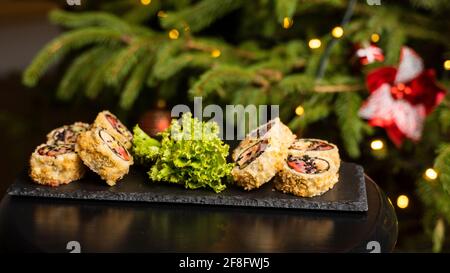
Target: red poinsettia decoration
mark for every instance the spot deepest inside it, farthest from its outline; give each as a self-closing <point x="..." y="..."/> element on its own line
<point x="400" y="98"/>
<point x="369" y="54"/>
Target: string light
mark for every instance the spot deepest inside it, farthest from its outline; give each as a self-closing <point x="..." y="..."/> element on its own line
<point x="161" y="103"/>
<point x="299" y="111"/>
<point x="337" y="32"/>
<point x="215" y="53"/>
<point x="146" y="2"/>
<point x="314" y="43"/>
<point x="430" y="174"/>
<point x="402" y="201"/>
<point x="377" y="144"/>
<point x="161" y="14"/>
<point x="375" y="37"/>
<point x="173" y="34"/>
<point x="287" y="22"/>
<point x="447" y="65"/>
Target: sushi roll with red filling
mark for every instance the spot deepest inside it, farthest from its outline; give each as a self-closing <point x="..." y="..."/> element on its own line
<point x="103" y="154"/>
<point x="54" y="165"/>
<point x="260" y="155"/>
<point x="67" y="134"/>
<point x="114" y="127"/>
<point x="316" y="147"/>
<point x="306" y="176"/>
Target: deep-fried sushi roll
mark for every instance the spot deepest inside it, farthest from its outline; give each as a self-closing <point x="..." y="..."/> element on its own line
<point x="114" y="127"/>
<point x="316" y="147"/>
<point x="306" y="176"/>
<point x="67" y="134"/>
<point x="54" y="165"/>
<point x="260" y="155"/>
<point x="103" y="154"/>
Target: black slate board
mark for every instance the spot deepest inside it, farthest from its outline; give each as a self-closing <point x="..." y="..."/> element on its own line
<point x="349" y="194"/>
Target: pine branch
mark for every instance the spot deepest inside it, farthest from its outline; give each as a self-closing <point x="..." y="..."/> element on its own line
<point x="219" y="78"/>
<point x="79" y="72"/>
<point x="442" y="165"/>
<point x="187" y="60"/>
<point x="134" y="84"/>
<point x="285" y="8"/>
<point x="60" y="46"/>
<point x="351" y="126"/>
<point x="140" y="14"/>
<point x="87" y="19"/>
<point x="200" y="15"/>
<point x="126" y="59"/>
<point x="97" y="80"/>
<point x="297" y="83"/>
<point x="317" y="107"/>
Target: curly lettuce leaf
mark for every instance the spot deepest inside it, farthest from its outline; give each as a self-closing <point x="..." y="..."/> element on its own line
<point x="192" y="154"/>
<point x="145" y="149"/>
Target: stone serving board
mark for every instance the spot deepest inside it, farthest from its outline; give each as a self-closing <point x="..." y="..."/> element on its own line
<point x="349" y="194"/>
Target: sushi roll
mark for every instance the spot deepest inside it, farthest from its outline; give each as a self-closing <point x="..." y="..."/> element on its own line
<point x="103" y="154"/>
<point x="114" y="127"/>
<point x="306" y="176"/>
<point x="260" y="155"/>
<point x="54" y="165"/>
<point x="316" y="147"/>
<point x="66" y="134"/>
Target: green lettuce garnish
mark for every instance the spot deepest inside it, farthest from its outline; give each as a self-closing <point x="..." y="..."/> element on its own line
<point x="190" y="153"/>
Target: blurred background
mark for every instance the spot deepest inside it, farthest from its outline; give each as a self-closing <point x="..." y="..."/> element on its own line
<point x="138" y="58"/>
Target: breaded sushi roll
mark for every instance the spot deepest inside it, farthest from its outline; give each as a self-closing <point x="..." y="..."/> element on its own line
<point x="103" y="154"/>
<point x="316" y="147"/>
<point x="306" y="176"/>
<point x="67" y="134"/>
<point x="260" y="155"/>
<point x="114" y="127"/>
<point x="54" y="165"/>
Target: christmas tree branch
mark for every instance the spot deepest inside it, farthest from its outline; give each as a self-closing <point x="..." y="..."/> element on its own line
<point x="79" y="71"/>
<point x="134" y="84"/>
<point x="56" y="49"/>
<point x="200" y="15"/>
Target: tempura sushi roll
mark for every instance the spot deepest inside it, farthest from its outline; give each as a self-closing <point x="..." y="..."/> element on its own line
<point x="67" y="134"/>
<point x="54" y="165"/>
<point x="114" y="127"/>
<point x="260" y="155"/>
<point x="316" y="147"/>
<point x="307" y="176"/>
<point x="103" y="154"/>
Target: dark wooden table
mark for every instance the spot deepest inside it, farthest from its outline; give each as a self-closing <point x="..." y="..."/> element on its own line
<point x="47" y="225"/>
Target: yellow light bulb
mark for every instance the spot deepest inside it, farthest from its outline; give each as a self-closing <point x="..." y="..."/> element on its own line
<point x="299" y="111"/>
<point x="314" y="43"/>
<point x="431" y="174"/>
<point x="402" y="201"/>
<point x="146" y="2"/>
<point x="215" y="53"/>
<point x="375" y="37"/>
<point x="161" y="14"/>
<point x="337" y="32"/>
<point x="173" y="34"/>
<point x="377" y="144"/>
<point x="287" y="22"/>
<point x="161" y="103"/>
<point x="447" y="65"/>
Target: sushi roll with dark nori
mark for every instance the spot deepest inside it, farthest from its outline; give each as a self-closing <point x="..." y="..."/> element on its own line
<point x="54" y="165"/>
<point x="114" y="127"/>
<point x="103" y="154"/>
<point x="260" y="155"/>
<point x="306" y="176"/>
<point x="67" y="134"/>
<point x="316" y="147"/>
